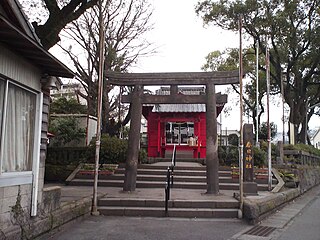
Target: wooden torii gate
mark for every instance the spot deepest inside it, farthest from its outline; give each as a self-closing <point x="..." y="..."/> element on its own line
<point x="137" y="98"/>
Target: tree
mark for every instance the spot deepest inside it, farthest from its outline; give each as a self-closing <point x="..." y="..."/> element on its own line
<point x="58" y="13"/>
<point x="125" y="22"/>
<point x="67" y="106"/>
<point x="228" y="60"/>
<point x="233" y="139"/>
<point x="291" y="29"/>
<point x="263" y="131"/>
<point x="66" y="129"/>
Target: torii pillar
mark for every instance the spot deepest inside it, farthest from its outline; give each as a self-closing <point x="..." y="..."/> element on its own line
<point x="212" y="161"/>
<point x="130" y="176"/>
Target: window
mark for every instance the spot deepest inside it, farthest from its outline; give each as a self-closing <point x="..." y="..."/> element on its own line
<point x="18" y="120"/>
<point x="179" y="132"/>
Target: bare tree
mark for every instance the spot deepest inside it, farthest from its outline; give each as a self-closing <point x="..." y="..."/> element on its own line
<point x="126" y="22"/>
<point x="58" y="14"/>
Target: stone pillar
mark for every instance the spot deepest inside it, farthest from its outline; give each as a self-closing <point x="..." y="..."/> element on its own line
<point x="134" y="140"/>
<point x="280" y="154"/>
<point x="249" y="186"/>
<point x="212" y="161"/>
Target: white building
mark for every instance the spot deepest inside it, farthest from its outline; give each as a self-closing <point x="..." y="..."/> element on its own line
<point x="315" y="139"/>
<point x="68" y="91"/>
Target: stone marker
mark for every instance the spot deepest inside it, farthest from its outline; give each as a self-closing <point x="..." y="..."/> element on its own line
<point x="249" y="186"/>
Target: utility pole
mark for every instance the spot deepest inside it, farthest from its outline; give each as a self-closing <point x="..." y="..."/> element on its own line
<point x="241" y="120"/>
<point x="257" y="93"/>
<point x="94" y="210"/>
<point x="268" y="117"/>
<point x="283" y="101"/>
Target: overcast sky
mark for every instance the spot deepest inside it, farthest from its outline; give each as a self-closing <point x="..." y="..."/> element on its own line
<point x="181" y="39"/>
<point x="183" y="45"/>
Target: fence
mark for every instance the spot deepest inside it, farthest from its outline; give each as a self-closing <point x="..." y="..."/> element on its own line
<point x="301" y="157"/>
<point x="65" y="155"/>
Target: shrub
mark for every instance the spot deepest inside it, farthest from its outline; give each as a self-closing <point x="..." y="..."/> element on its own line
<point x="143" y="156"/>
<point x="112" y="150"/>
<point x="233" y="156"/>
<point x="260" y="157"/>
<point x="303" y="147"/>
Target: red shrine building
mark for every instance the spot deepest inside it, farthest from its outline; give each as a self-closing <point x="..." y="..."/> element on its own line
<point x="183" y="125"/>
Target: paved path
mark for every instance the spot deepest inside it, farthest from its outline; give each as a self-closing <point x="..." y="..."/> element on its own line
<point x="299" y="220"/>
<point x="306" y="225"/>
<point x="118" y="228"/>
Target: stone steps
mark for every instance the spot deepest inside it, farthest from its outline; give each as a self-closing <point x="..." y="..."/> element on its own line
<point x="176" y="208"/>
<point x="177" y="172"/>
<point x="162" y="178"/>
<point x="154" y="184"/>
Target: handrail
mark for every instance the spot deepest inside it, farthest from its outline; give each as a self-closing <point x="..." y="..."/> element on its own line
<point x="173" y="160"/>
<point x="169" y="181"/>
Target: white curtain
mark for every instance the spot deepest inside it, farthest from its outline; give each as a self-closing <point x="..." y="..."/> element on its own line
<point x="19" y="131"/>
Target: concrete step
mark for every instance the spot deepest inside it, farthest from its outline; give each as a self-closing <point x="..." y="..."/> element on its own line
<point x="176" y="172"/>
<point x="152" y="178"/>
<point x="172" y="212"/>
<point x="158" y="178"/>
<point x="165" y="167"/>
<point x="137" y="202"/>
<point x="142" y="184"/>
<point x="179" y="166"/>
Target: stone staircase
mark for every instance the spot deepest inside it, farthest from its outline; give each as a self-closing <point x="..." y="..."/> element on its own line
<point x="176" y="208"/>
<point x="154" y="176"/>
<point x="187" y="195"/>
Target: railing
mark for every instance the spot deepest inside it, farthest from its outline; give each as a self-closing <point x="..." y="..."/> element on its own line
<point x="301" y="157"/>
<point x="66" y="155"/>
<point x="169" y="181"/>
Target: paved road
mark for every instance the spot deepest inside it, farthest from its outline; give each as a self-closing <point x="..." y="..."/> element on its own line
<point x="118" y="228"/>
<point x="299" y="220"/>
<point x="305" y="226"/>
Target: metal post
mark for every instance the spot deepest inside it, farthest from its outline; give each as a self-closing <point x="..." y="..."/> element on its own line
<point x="306" y="127"/>
<point x="283" y="101"/>
<point x="94" y="210"/>
<point x="241" y="121"/>
<point x="220" y="129"/>
<point x="268" y="117"/>
<point x="257" y="94"/>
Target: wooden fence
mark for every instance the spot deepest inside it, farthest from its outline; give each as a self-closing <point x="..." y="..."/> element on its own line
<point x="66" y="155"/>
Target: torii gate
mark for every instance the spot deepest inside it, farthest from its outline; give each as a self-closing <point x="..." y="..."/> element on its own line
<point x="137" y="98"/>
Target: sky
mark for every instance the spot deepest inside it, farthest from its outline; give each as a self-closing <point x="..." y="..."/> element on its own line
<point x="183" y="43"/>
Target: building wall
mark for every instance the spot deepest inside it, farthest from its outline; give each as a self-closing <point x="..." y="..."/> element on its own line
<point x="10" y="198"/>
<point x="18" y="69"/>
<point x="15" y="200"/>
<point x="316" y="140"/>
